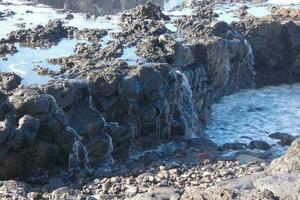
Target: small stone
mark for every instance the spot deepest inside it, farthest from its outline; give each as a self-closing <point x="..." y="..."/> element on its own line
<point x="206" y="174"/>
<point x="131" y="191"/>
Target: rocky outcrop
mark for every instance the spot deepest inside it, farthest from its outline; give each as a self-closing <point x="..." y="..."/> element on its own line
<point x="7" y="49"/>
<point x="34" y="133"/>
<point x="275" y="47"/>
<point x="97" y="7"/>
<point x="9" y="81"/>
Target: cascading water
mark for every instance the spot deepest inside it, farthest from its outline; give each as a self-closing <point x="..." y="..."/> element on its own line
<point x="74" y="157"/>
<point x="78" y="147"/>
<point x="187" y="107"/>
<point x="250" y="60"/>
<point x="109" y="158"/>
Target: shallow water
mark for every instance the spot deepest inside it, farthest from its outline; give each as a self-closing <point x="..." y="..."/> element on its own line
<point x="22" y="62"/>
<point x="256" y="114"/>
<point x="42" y="14"/>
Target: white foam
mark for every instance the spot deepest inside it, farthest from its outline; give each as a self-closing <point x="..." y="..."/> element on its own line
<point x="256" y="114"/>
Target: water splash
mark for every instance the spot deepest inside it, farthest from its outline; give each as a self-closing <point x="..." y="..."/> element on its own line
<point x="78" y="147"/>
<point x="188" y="108"/>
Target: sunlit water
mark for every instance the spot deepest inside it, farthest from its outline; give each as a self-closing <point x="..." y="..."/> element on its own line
<point x="23" y="62"/>
<point x="255" y="114"/>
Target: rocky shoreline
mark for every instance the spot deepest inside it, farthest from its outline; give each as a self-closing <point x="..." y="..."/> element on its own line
<point x="90" y="132"/>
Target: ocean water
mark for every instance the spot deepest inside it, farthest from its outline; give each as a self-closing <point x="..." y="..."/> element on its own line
<point x="255" y="114"/>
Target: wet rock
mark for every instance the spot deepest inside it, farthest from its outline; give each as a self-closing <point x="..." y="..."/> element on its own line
<point x="234" y="146"/>
<point x="69" y="16"/>
<point x="34" y="134"/>
<point x="148" y="11"/>
<point x="91" y="34"/>
<point x="285" y="139"/>
<point x="203" y="144"/>
<point x="75" y="99"/>
<point x="42" y="35"/>
<point x="257" y="144"/>
<point x="7" y="49"/>
<point x="6" y="13"/>
<point x="9" y="81"/>
<point x="279" y="63"/>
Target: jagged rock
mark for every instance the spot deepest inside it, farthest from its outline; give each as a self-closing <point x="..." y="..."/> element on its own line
<point x="9" y="81"/>
<point x="148" y="11"/>
<point x="42" y="35"/>
<point x="7" y="49"/>
<point x="34" y="134"/>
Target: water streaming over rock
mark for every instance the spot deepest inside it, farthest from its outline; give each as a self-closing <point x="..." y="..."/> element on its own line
<point x="188" y="108"/>
<point x="109" y="158"/>
<point x="78" y="148"/>
<point x="250" y="60"/>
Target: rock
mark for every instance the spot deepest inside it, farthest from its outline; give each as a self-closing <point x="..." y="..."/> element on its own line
<point x="131" y="191"/>
<point x="148" y="11"/>
<point x="289" y="162"/>
<point x="247" y="159"/>
<point x="14" y="190"/>
<point x="35" y="137"/>
<point x="69" y="16"/>
<point x="285" y="186"/>
<point x="285" y="139"/>
<point x="9" y="81"/>
<point x="43" y="35"/>
<point x="257" y="144"/>
<point x="234" y="146"/>
<point x="7" y="49"/>
<point x="203" y="144"/>
<point x="159" y="193"/>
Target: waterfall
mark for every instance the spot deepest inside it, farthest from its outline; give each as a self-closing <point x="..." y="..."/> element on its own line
<point x="109" y="158"/>
<point x="74" y="157"/>
<point x="78" y="147"/>
<point x="250" y="60"/>
<point x="188" y="108"/>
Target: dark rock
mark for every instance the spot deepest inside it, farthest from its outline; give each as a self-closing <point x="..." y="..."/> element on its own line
<point x="69" y="16"/>
<point x="7" y="49"/>
<point x="285" y="139"/>
<point x="9" y="81"/>
<point x="257" y="144"/>
<point x="234" y="146"/>
<point x="203" y="144"/>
